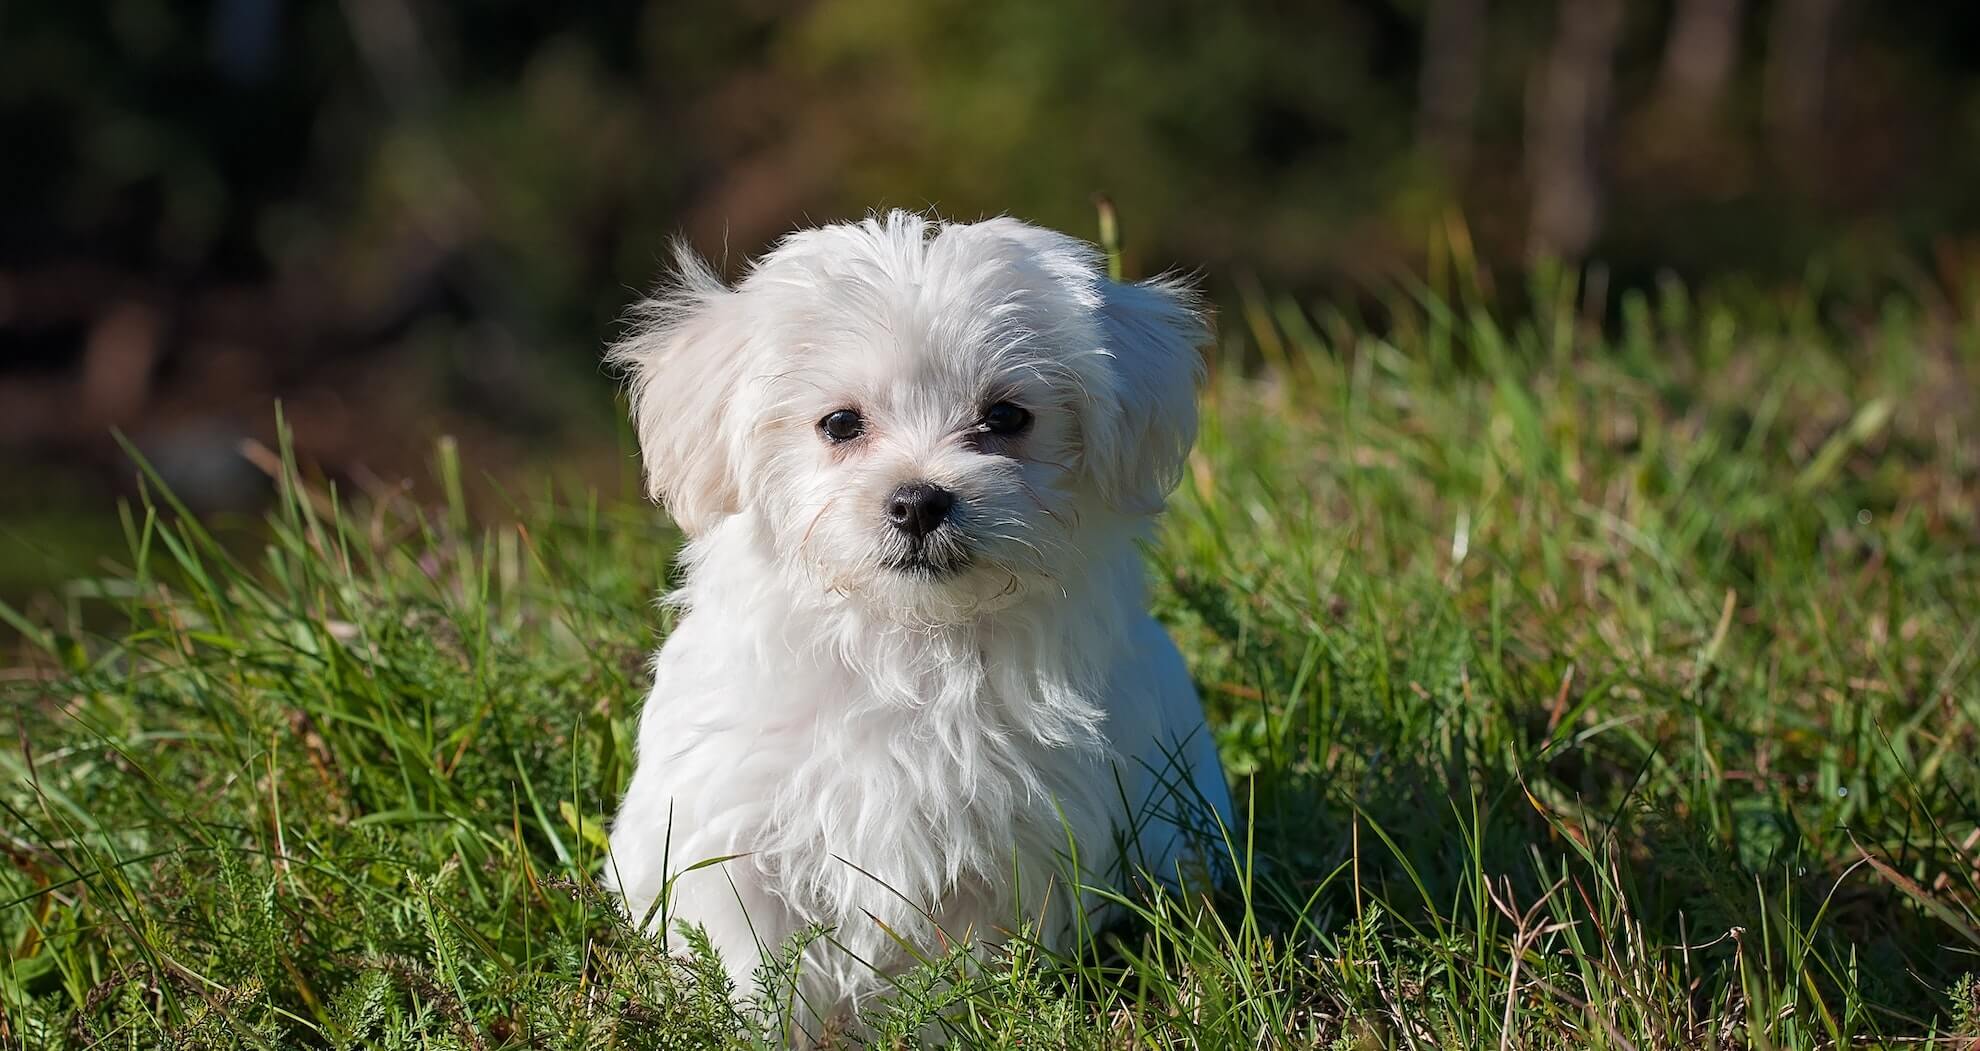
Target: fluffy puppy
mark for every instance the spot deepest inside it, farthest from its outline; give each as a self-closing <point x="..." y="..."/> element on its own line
<point x="914" y="692"/>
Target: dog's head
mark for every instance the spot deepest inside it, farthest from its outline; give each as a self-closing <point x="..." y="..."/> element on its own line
<point x="922" y="413"/>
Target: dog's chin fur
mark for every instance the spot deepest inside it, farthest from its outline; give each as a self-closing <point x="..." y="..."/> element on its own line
<point x="891" y="738"/>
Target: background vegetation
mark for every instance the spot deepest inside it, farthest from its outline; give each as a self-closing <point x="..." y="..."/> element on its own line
<point x="407" y="218"/>
<point x="1578" y="561"/>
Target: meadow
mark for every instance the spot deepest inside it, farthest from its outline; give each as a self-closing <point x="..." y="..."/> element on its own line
<point x="1591" y="673"/>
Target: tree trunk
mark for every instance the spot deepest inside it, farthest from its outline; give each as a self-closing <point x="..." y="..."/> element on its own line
<point x="1699" y="56"/>
<point x="1447" y="91"/>
<point x="1567" y="108"/>
<point x="1797" y="83"/>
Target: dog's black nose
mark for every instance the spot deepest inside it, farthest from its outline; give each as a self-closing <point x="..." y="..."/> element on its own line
<point x="918" y="507"/>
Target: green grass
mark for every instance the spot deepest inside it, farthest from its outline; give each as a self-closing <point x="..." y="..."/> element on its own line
<point x="1586" y="691"/>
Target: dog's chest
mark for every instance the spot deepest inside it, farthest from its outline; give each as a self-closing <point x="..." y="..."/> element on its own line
<point x="931" y="795"/>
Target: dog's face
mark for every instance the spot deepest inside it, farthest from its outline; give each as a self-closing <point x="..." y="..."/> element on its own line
<point x="922" y="416"/>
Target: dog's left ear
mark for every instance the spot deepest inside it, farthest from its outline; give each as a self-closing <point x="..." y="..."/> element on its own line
<point x="1139" y="428"/>
<point x="1135" y="350"/>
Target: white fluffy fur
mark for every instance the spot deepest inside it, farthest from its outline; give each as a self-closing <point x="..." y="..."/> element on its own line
<point x="877" y="746"/>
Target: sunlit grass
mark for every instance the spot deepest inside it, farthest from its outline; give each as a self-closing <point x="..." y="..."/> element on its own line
<point x="1584" y="690"/>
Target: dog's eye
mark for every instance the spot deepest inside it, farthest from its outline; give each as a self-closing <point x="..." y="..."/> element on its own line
<point x="843" y="425"/>
<point x="1006" y="418"/>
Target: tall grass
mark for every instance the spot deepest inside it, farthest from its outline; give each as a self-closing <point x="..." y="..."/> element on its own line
<point x="1584" y="685"/>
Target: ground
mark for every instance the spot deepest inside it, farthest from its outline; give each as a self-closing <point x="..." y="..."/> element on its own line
<point x="1581" y="689"/>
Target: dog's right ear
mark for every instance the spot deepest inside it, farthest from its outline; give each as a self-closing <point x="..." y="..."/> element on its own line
<point x="685" y="357"/>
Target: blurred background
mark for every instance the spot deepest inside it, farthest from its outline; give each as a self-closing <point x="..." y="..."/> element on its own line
<point x="407" y="218"/>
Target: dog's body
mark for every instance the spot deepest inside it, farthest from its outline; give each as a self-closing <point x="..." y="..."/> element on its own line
<point x="915" y="692"/>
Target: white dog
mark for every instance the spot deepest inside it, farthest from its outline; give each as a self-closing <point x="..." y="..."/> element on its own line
<point x="915" y="692"/>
